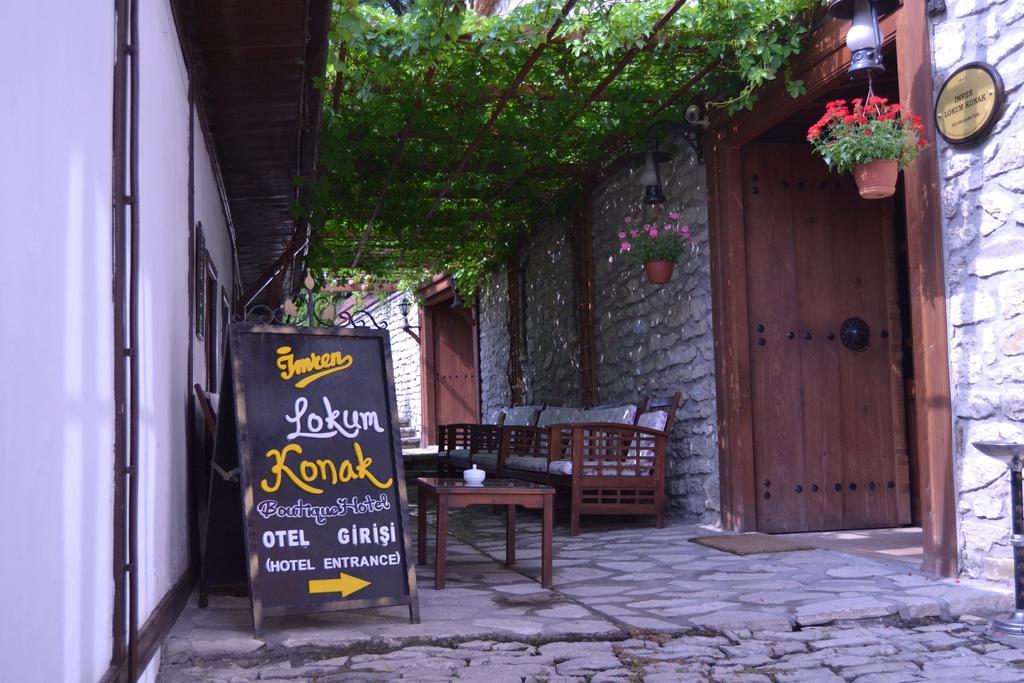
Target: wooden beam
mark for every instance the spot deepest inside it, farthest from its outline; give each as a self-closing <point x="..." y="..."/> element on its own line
<point x="927" y="282"/>
<point x="583" y="267"/>
<point x="730" y="324"/>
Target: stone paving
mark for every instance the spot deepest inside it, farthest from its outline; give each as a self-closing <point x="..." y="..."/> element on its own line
<point x="629" y="603"/>
<point x="655" y="579"/>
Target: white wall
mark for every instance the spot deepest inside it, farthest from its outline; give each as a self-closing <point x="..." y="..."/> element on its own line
<point x="56" y="340"/>
<point x="209" y="211"/>
<point x="164" y="303"/>
<point x="57" y="412"/>
<point x="405" y="353"/>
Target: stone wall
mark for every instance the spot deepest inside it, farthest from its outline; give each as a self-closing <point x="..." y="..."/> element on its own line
<point x="405" y="354"/>
<point x="983" y="209"/>
<point x="656" y="340"/>
<point x="550" y="353"/>
<point x="651" y="341"/>
<point x="495" y="392"/>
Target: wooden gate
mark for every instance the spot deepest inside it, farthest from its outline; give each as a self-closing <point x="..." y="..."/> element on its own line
<point x="825" y="347"/>
<point x="455" y="390"/>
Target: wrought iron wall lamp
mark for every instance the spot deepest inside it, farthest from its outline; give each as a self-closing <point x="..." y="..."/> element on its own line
<point x="403" y="306"/>
<point x="689" y="130"/>
<point x="864" y="37"/>
<point x="457" y="302"/>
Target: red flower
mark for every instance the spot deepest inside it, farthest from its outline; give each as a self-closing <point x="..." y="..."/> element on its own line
<point x="923" y="142"/>
<point x="813" y="132"/>
<point x="862" y="119"/>
<point x="868" y="131"/>
<point x="849" y="119"/>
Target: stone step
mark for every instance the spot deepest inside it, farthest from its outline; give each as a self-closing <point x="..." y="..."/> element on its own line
<point x="407" y="431"/>
<point x="410" y="441"/>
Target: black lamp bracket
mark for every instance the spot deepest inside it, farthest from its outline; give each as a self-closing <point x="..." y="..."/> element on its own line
<point x="691" y="134"/>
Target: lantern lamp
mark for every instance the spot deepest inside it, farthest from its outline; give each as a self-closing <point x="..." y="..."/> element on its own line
<point x="865" y="36"/>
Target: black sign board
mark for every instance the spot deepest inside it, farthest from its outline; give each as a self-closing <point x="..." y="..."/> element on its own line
<point x="308" y="426"/>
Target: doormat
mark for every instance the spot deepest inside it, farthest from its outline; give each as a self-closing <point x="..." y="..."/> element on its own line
<point x="750" y="543"/>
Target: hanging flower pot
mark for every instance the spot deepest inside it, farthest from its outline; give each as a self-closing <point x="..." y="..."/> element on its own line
<point x="873" y="139"/>
<point x="656" y="245"/>
<point x="659" y="271"/>
<point x="877" y="179"/>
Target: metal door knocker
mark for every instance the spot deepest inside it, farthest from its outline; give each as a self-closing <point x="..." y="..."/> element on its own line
<point x="855" y="334"/>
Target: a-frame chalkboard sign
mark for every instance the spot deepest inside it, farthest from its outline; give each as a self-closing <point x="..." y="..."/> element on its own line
<point x="307" y="495"/>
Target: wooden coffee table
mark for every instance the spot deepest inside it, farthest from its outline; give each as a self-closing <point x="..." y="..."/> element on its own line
<point x="449" y="494"/>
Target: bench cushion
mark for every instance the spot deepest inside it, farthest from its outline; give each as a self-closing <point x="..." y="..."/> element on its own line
<point x="656" y="419"/>
<point x="459" y="455"/>
<point x="486" y="460"/>
<point x="526" y="463"/>
<point x="520" y="416"/>
<point x="553" y="415"/>
<point x="624" y="414"/>
<point x="590" y="467"/>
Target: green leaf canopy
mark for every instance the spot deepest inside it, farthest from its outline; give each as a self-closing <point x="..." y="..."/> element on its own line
<point x="412" y="98"/>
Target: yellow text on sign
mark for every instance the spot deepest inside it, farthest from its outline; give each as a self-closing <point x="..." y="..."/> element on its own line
<point x="318" y="471"/>
<point x="320" y="364"/>
<point x="344" y="584"/>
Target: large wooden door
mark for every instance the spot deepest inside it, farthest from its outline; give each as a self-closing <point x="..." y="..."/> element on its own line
<point x="829" y="437"/>
<point x="454" y="366"/>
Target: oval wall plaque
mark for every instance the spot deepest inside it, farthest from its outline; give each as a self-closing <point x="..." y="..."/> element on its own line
<point x="969" y="103"/>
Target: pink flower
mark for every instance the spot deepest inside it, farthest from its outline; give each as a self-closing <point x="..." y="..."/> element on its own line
<point x="628" y="219"/>
<point x="633" y="233"/>
<point x="654" y="232"/>
<point x="647" y="227"/>
<point x="686" y="231"/>
<point x="625" y="246"/>
<point x="622" y="235"/>
<point x="674" y="215"/>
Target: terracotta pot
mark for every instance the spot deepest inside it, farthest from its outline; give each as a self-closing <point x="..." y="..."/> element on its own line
<point x="877" y="179"/>
<point x="659" y="272"/>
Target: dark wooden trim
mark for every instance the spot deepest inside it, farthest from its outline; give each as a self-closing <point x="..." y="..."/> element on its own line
<point x="474" y="317"/>
<point x="927" y="283"/>
<point x="156" y="627"/>
<point x="428" y="421"/>
<point x="822" y="67"/>
<point x="192" y="465"/>
<point x="583" y="272"/>
<point x="732" y="353"/>
<point x="437" y="290"/>
<point x="515" y="340"/>
<point x="119" y="625"/>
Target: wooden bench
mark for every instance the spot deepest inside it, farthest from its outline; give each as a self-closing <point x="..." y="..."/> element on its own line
<point x="609" y="460"/>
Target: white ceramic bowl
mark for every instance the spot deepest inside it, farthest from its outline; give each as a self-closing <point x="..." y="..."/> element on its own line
<point x="474" y="476"/>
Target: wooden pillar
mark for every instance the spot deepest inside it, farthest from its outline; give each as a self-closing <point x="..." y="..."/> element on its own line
<point x="926" y="266"/>
<point x="729" y="321"/>
<point x="583" y="267"/>
<point x="515" y="341"/>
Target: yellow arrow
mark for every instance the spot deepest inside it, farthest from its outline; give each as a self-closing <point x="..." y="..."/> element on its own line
<point x="344" y="584"/>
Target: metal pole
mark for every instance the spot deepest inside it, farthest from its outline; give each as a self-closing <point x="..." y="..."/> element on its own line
<point x="1015" y="622"/>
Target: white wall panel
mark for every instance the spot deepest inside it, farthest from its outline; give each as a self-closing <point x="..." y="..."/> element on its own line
<point x="56" y="340"/>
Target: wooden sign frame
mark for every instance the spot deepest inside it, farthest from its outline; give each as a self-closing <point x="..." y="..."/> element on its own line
<point x="246" y="455"/>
